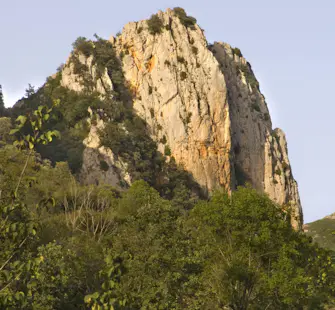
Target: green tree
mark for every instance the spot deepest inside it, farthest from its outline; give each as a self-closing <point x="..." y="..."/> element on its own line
<point x="155" y="24"/>
<point x="2" y="103"/>
<point x="17" y="227"/>
<point x="254" y="258"/>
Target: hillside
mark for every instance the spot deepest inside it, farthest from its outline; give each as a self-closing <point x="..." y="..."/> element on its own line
<point x="145" y="174"/>
<point x="160" y="89"/>
<point x="322" y="231"/>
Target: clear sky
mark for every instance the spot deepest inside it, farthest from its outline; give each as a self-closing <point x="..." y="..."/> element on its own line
<point x="289" y="43"/>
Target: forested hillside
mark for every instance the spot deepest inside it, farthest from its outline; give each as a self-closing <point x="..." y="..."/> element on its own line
<point x="124" y="224"/>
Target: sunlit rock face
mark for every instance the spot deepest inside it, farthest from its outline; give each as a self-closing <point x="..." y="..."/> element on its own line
<point x="203" y="102"/>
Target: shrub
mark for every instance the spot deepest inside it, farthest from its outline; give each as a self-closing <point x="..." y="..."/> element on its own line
<point x="188" y="117"/>
<point x="167" y="151"/>
<point x="150" y="90"/>
<point x="155" y="24"/>
<point x="237" y="52"/>
<point x="194" y="50"/>
<point x="103" y="165"/>
<point x="183" y="75"/>
<point x="285" y="165"/>
<point x="278" y="171"/>
<point x="181" y="59"/>
<point x="152" y="112"/>
<point x="187" y="21"/>
<point x="83" y="46"/>
<point x="256" y="107"/>
<point x="167" y="63"/>
<point x="159" y="127"/>
<point x="163" y="140"/>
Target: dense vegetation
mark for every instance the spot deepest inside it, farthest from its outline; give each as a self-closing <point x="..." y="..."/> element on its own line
<point x="159" y="244"/>
<point x="323" y="231"/>
<point x="66" y="246"/>
<point x="2" y="103"/>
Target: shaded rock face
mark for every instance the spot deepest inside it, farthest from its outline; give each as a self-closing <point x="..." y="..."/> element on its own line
<point x="260" y="153"/>
<point x="100" y="165"/>
<point x="203" y="103"/>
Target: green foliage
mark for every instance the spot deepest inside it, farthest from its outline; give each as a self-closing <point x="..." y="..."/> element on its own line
<point x="30" y="91"/>
<point x="266" y="117"/>
<point x="139" y="30"/>
<point x="153" y="245"/>
<point x="167" y="150"/>
<point x="255" y="258"/>
<point x="152" y="112"/>
<point x="195" y="50"/>
<point x="103" y="165"/>
<point x="249" y="75"/>
<point x="256" y="107"/>
<point x="163" y="140"/>
<point x="183" y="75"/>
<point x="155" y="24"/>
<point x="181" y="59"/>
<point x="285" y="165"/>
<point x="278" y="171"/>
<point x="187" y="21"/>
<point x="5" y="127"/>
<point x="83" y="46"/>
<point x="31" y="130"/>
<point x="2" y="103"/>
<point x="323" y="232"/>
<point x="237" y="52"/>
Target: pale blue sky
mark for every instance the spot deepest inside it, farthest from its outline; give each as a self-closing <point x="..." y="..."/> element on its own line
<point x="289" y="43"/>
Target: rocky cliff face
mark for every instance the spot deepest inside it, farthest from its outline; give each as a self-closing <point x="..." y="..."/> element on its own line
<point x="200" y="101"/>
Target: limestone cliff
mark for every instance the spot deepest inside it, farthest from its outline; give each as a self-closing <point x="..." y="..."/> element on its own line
<point x="200" y="101"/>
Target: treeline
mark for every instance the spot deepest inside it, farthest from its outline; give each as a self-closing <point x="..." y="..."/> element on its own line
<point x="67" y="246"/>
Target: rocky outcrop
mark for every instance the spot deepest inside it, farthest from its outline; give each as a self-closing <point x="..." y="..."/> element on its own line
<point x="80" y="70"/>
<point x="100" y="165"/>
<point x="181" y="93"/>
<point x="260" y="153"/>
<point x="202" y="105"/>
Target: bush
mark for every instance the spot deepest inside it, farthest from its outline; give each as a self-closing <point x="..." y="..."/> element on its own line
<point x="163" y="140"/>
<point x="195" y="50"/>
<point x="167" y="63"/>
<point x="103" y="165"/>
<point x="285" y="165"/>
<point x="83" y="46"/>
<point x="167" y="151"/>
<point x="155" y="24"/>
<point x="183" y="75"/>
<point x="187" y="21"/>
<point x="256" y="107"/>
<point x="181" y="59"/>
<point x="237" y="52"/>
<point x="278" y="171"/>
